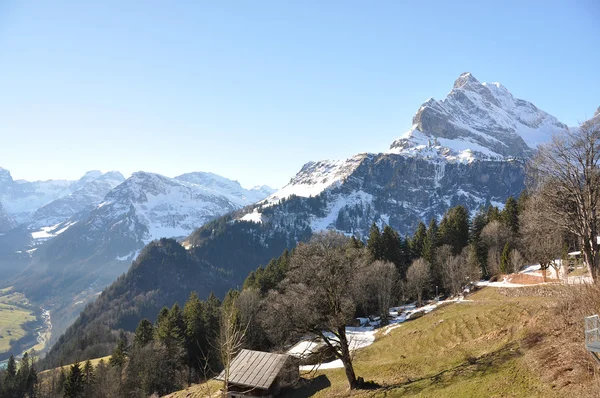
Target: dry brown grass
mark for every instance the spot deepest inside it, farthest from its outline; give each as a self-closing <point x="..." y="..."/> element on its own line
<point x="555" y="337"/>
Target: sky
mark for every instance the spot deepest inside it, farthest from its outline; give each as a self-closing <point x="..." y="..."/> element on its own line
<point x="252" y="90"/>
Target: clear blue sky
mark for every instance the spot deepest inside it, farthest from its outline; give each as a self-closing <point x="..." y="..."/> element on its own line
<point x="252" y="90"/>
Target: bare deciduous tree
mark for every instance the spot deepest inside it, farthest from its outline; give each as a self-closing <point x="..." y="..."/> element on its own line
<point x="566" y="174"/>
<point x="495" y="236"/>
<point x="382" y="277"/>
<point x="457" y="271"/>
<point x="542" y="238"/>
<point x="417" y="279"/>
<point x="231" y="339"/>
<point x="516" y="260"/>
<point x="319" y="295"/>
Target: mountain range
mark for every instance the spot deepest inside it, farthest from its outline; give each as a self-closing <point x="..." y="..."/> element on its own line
<point x="62" y="242"/>
<point x="468" y="149"/>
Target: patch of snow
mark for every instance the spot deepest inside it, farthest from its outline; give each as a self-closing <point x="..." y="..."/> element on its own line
<point x="358" y="337"/>
<point x="334" y="207"/>
<point x="255" y="217"/>
<point x="304" y="348"/>
<point x="391" y="327"/>
<point x="504" y="283"/>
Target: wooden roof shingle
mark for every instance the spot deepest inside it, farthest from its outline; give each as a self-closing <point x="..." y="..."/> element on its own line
<point x="255" y="369"/>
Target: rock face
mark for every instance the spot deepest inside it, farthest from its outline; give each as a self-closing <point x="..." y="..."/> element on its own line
<point x="388" y="189"/>
<point x="6" y="222"/>
<point x="477" y="121"/>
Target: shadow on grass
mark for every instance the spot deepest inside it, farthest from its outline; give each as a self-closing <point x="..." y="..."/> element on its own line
<point x="472" y="367"/>
<point x="309" y="387"/>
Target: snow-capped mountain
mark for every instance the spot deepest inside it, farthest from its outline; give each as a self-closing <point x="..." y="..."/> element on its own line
<point x="224" y="186"/>
<point x="41" y="204"/>
<point x="88" y="191"/>
<point x="477" y="121"/>
<point x="100" y="243"/>
<point x="21" y="198"/>
<point x="468" y="149"/>
<point x="154" y="206"/>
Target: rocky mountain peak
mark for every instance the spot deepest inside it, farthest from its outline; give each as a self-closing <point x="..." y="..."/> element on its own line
<point x="466" y="80"/>
<point x="5" y="176"/>
<point x="597" y="112"/>
<point x="476" y="121"/>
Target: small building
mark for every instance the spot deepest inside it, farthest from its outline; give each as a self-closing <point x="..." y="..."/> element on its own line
<point x="260" y="374"/>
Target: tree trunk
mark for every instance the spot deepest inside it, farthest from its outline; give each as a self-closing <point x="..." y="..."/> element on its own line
<point x="590" y="257"/>
<point x="346" y="358"/>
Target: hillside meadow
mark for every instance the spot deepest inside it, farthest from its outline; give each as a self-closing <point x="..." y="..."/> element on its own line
<point x="517" y="342"/>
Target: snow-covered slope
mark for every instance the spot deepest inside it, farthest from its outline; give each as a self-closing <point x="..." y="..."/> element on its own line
<point x="315" y="177"/>
<point x="477" y="121"/>
<point x="88" y="191"/>
<point x="222" y="186"/>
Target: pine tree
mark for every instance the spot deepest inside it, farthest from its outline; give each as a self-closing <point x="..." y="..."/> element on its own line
<point x="510" y="215"/>
<point x="89" y="378"/>
<point x="10" y="378"/>
<point x="418" y="241"/>
<point x="454" y="229"/>
<point x="196" y="344"/>
<point x="88" y="372"/>
<point x="478" y="246"/>
<point x="431" y="242"/>
<point x="522" y="201"/>
<point x="144" y="333"/>
<point x="119" y="355"/>
<point x="11" y="368"/>
<point x="74" y="385"/>
<point x="212" y="315"/>
<point x="62" y="380"/>
<point x="493" y="214"/>
<point x="22" y="378"/>
<point x="429" y="254"/>
<point x="374" y="243"/>
<point x="505" y="259"/>
<point x="390" y="245"/>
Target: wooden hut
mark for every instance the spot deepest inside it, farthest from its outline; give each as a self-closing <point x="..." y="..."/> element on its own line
<point x="260" y="374"/>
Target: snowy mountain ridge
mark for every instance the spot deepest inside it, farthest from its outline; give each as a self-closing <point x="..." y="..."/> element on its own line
<point x="476" y="121"/>
<point x="155" y="206"/>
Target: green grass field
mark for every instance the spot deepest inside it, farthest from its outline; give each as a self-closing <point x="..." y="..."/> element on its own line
<point x="468" y="349"/>
<point x="14" y="313"/>
<point x="500" y="343"/>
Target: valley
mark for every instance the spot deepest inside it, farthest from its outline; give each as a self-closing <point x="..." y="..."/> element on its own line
<point x="22" y="326"/>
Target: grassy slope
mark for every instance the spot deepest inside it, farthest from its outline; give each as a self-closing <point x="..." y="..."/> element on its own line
<point x="469" y="349"/>
<point x="13" y="315"/>
<point x="504" y="343"/>
<point x="48" y="373"/>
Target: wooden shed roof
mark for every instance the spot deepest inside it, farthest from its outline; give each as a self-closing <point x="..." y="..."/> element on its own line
<point x="255" y="369"/>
